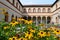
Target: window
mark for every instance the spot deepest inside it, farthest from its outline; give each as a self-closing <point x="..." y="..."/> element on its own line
<point x="12" y="17"/>
<point x="56" y="6"/>
<point x="17" y="4"/>
<point x="34" y="10"/>
<point x="6" y="16"/>
<point x="19" y="7"/>
<point x="13" y="2"/>
<point x="56" y="19"/>
<point x="29" y="10"/>
<point x="44" y="10"/>
<point x="16" y="18"/>
<point x="49" y="10"/>
<point x="39" y="10"/>
<point x="24" y="10"/>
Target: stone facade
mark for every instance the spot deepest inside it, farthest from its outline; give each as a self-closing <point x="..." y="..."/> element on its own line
<point x="38" y="13"/>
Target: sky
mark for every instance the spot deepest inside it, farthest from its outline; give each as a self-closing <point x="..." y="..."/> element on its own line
<point x="32" y="2"/>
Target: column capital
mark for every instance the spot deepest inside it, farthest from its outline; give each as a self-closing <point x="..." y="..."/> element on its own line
<point x="41" y="16"/>
<point x="46" y="16"/>
<point x="31" y="16"/>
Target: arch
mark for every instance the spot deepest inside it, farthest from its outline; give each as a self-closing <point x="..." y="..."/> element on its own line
<point x="16" y="18"/>
<point x="6" y="17"/>
<point x="13" y="2"/>
<point x="24" y="17"/>
<point x="16" y="4"/>
<point x="56" y="6"/>
<point x="29" y="10"/>
<point x="56" y="19"/>
<point x="44" y="10"/>
<point x="12" y="17"/>
<point x="44" y="19"/>
<point x="39" y="19"/>
<point x="39" y="10"/>
<point x="48" y="19"/>
<point x="24" y="10"/>
<point x="34" y="10"/>
<point x="49" y="10"/>
<point x="29" y="18"/>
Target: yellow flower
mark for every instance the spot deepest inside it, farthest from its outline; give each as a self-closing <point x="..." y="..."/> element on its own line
<point x="13" y="18"/>
<point x="32" y="30"/>
<point x="22" y="39"/>
<point x="5" y="27"/>
<point x="16" y="22"/>
<point x="42" y="34"/>
<point x="48" y="34"/>
<point x="41" y="24"/>
<point x="28" y="35"/>
<point x="52" y="28"/>
<point x="13" y="23"/>
<point x="29" y="27"/>
<point x="57" y="32"/>
<point x="10" y="39"/>
<point x="14" y="38"/>
<point x="48" y="29"/>
<point x="20" y="19"/>
<point x="28" y="22"/>
<point x="55" y="36"/>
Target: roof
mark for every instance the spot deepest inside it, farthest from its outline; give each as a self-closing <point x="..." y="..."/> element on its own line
<point x="37" y="5"/>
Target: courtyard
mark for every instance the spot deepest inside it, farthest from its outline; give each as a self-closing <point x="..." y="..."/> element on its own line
<point x="29" y="20"/>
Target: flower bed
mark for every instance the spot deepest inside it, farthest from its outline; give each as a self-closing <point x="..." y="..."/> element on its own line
<point x="26" y="30"/>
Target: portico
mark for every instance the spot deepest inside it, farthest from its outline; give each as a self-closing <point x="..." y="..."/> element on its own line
<point x="39" y="19"/>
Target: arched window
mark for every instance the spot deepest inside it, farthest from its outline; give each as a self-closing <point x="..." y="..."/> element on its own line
<point x="19" y="8"/>
<point x="39" y="10"/>
<point x="13" y="2"/>
<point x="17" y="4"/>
<point x="6" y="16"/>
<point x="24" y="10"/>
<point x="34" y="10"/>
<point x="12" y="17"/>
<point x="56" y="19"/>
<point x="29" y="10"/>
<point x="49" y="10"/>
<point x="44" y="10"/>
<point x="16" y="18"/>
<point x="56" y="6"/>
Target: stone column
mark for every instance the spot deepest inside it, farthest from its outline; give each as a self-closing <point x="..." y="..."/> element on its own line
<point x="31" y="17"/>
<point x="36" y="21"/>
<point x="51" y="20"/>
<point x="59" y="20"/>
<point x="27" y="17"/>
<point x="41" y="19"/>
<point x="46" y="21"/>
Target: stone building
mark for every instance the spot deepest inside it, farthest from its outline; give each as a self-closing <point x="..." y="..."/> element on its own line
<point x="38" y="13"/>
